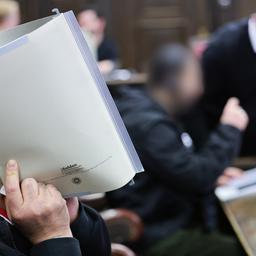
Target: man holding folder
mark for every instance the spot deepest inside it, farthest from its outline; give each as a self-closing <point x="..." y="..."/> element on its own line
<point x="36" y="220"/>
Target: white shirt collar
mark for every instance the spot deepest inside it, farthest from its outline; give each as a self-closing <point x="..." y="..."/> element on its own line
<point x="252" y="31"/>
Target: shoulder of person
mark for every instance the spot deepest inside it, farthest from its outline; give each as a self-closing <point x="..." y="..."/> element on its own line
<point x="228" y="36"/>
<point x="138" y="110"/>
<point x="108" y="43"/>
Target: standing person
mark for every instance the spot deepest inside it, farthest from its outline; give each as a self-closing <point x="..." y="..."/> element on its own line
<point x="174" y="196"/>
<point x="9" y="14"/>
<point x="44" y="224"/>
<point x="229" y="66"/>
<point x="92" y="21"/>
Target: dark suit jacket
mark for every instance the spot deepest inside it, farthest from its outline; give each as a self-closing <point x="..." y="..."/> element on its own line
<point x="90" y="239"/>
<point x="229" y="66"/>
<point x="107" y="50"/>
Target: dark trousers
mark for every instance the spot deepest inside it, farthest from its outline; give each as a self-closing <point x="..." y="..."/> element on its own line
<point x="195" y="242"/>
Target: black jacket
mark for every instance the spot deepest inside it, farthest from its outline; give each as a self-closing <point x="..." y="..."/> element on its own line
<point x="90" y="239"/>
<point x="229" y="66"/>
<point x="168" y="194"/>
<point x="107" y="50"/>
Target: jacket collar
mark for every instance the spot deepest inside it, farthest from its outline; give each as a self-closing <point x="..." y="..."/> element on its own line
<point x="252" y="31"/>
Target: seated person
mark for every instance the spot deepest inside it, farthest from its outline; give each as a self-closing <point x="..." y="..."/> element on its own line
<point x="9" y="14"/>
<point x="174" y="196"/>
<point x="93" y="22"/>
<point x="44" y="224"/>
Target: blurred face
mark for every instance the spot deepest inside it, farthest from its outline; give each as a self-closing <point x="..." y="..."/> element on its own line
<point x="189" y="85"/>
<point x="91" y="23"/>
<point x="10" y="21"/>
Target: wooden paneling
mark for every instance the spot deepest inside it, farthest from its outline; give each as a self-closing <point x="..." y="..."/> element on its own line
<point x="123" y="20"/>
<point x="245" y="8"/>
<point x="221" y="13"/>
<point x="33" y="9"/>
<point x="159" y="23"/>
<point x="140" y="26"/>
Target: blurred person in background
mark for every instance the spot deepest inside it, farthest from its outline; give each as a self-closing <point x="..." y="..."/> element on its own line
<point x="9" y="14"/>
<point x="174" y="196"/>
<point x="229" y="66"/>
<point x="92" y="21"/>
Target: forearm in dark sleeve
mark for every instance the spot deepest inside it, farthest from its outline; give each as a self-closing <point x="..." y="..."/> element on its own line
<point x="183" y="170"/>
<point x="91" y="232"/>
<point x="58" y="246"/>
<point x="224" y="143"/>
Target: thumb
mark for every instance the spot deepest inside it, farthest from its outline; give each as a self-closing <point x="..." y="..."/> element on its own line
<point x="233" y="102"/>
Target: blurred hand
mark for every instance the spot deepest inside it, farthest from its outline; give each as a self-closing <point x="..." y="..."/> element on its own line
<point x="73" y="208"/>
<point x="106" y="66"/>
<point x="234" y="115"/>
<point x="38" y="210"/>
<point x="229" y="174"/>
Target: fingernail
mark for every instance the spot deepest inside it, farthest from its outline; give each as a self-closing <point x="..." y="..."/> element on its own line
<point x="11" y="165"/>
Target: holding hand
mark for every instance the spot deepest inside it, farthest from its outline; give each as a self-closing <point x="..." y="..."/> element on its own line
<point x="38" y="210"/>
<point x="229" y="174"/>
<point x="234" y="115"/>
<point x="73" y="208"/>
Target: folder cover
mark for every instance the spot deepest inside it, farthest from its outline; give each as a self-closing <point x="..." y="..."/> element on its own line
<point x="58" y="119"/>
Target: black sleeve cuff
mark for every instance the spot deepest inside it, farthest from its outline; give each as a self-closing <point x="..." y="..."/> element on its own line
<point x="231" y="133"/>
<point x="231" y="129"/>
<point x="91" y="232"/>
<point x="81" y="224"/>
<point x="233" y="137"/>
<point x="58" y="246"/>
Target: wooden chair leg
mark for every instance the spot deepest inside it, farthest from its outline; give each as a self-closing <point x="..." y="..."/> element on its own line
<point x="121" y="250"/>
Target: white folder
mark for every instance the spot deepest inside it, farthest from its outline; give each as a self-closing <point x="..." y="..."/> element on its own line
<point x="57" y="117"/>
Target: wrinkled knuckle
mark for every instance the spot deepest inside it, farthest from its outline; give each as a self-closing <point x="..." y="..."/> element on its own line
<point x="50" y="186"/>
<point x="11" y="189"/>
<point x="63" y="202"/>
<point x="58" y="194"/>
<point x="27" y="182"/>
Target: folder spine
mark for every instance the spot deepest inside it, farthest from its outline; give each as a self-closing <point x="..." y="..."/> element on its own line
<point x="13" y="45"/>
<point x="103" y="90"/>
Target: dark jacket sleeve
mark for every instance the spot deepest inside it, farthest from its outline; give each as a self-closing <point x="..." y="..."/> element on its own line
<point x="58" y="246"/>
<point x="185" y="171"/>
<point x="90" y="238"/>
<point x="91" y="232"/>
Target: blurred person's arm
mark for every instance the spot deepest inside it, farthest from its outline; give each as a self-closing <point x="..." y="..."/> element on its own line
<point x="107" y="56"/>
<point x="106" y="66"/>
<point x="179" y="168"/>
<point x="228" y="175"/>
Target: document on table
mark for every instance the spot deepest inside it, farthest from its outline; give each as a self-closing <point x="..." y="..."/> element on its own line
<point x="238" y="188"/>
